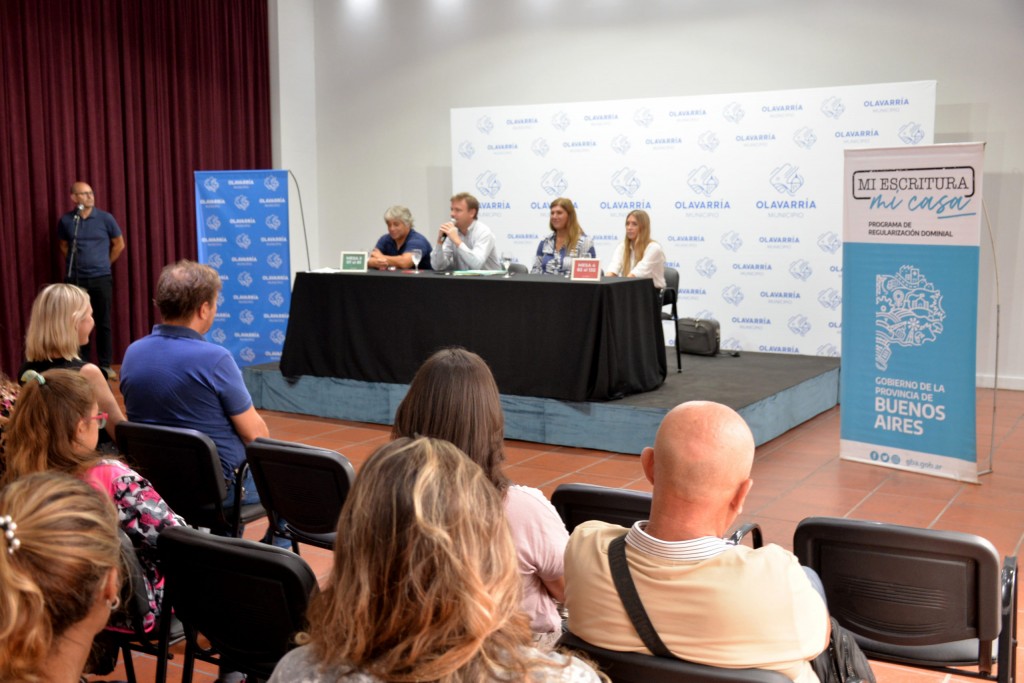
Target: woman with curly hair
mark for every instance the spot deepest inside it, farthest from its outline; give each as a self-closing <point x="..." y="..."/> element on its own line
<point x="59" y="576"/>
<point x="424" y="585"/>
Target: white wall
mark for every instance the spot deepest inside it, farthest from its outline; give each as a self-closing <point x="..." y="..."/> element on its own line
<point x="388" y="71"/>
<point x="293" y="95"/>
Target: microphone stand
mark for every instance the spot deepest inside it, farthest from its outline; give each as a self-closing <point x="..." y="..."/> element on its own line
<point x="74" y="245"/>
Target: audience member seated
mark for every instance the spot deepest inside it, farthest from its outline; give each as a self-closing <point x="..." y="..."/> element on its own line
<point x="565" y="243"/>
<point x="638" y="255"/>
<point x="710" y="602"/>
<point x="175" y="377"/>
<point x="59" y="559"/>
<point x="55" y="427"/>
<point x="424" y="584"/>
<point x="393" y="249"/>
<point x="60" y="323"/>
<point x="454" y="397"/>
<point x="465" y="243"/>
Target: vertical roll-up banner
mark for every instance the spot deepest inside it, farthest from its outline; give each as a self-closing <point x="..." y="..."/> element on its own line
<point x="910" y="307"/>
<point x="242" y="226"/>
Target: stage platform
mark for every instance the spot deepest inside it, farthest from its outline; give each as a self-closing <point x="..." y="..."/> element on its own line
<point x="773" y="392"/>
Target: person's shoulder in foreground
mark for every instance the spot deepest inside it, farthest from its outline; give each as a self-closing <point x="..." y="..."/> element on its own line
<point x="302" y="666"/>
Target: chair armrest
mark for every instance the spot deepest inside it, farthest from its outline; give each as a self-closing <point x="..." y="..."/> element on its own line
<point x="239" y="478"/>
<point x="752" y="528"/>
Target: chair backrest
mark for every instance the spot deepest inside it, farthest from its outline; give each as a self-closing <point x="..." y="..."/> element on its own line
<point x="634" y="667"/>
<point x="247" y="598"/>
<point x="518" y="268"/>
<point x="672" y="279"/>
<point x="303" y="485"/>
<point x="901" y="585"/>
<point x="183" y="465"/>
<point x="578" y="503"/>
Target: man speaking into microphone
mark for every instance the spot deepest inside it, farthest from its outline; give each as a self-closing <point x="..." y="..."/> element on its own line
<point x="465" y="243"/>
<point x="91" y="240"/>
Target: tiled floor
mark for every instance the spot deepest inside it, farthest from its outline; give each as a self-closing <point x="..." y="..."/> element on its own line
<point x="795" y="476"/>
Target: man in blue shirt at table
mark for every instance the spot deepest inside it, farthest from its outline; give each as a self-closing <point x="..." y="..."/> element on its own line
<point x="395" y="248"/>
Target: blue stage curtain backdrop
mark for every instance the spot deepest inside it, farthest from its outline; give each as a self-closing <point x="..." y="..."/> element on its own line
<point x="130" y="97"/>
<point x="910" y="308"/>
<point x="743" y="190"/>
<point x="242" y="228"/>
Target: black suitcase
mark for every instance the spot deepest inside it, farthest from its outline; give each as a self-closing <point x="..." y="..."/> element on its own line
<point x="698" y="337"/>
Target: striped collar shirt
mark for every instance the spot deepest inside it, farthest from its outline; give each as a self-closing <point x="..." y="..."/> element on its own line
<point x="693" y="550"/>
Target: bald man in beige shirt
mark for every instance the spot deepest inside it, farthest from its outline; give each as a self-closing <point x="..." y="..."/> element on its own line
<point x="710" y="602"/>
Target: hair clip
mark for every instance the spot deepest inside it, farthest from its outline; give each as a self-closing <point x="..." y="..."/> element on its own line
<point x="32" y="374"/>
<point x="10" y="526"/>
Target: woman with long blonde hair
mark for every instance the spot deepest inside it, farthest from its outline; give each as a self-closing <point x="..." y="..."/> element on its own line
<point x="567" y="241"/>
<point x="59" y="576"/>
<point x="424" y="585"/>
<point x="60" y="322"/>
<point x="638" y="255"/>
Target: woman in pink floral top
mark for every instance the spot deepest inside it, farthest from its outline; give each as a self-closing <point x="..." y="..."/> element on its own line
<point x="55" y="426"/>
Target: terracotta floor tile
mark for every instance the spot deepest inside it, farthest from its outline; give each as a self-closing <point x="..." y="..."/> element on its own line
<point x="813" y="501"/>
<point x="617" y="466"/>
<point x="896" y="509"/>
<point x="566" y="462"/>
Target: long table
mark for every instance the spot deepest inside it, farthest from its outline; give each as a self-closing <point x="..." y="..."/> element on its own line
<point x="541" y="335"/>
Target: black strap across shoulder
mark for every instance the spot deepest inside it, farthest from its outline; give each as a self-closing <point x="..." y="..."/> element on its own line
<point x="631" y="599"/>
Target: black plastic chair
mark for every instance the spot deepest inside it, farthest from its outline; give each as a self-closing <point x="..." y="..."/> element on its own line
<point x="518" y="269"/>
<point x="135" y="604"/>
<point x="919" y="597"/>
<point x="183" y="465"/>
<point x="635" y="667"/>
<point x="669" y="297"/>
<point x="578" y="503"/>
<point x="247" y="599"/>
<point x="302" y="485"/>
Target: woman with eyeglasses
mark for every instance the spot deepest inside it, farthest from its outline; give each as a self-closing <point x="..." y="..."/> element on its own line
<point x="60" y="322"/>
<point x="55" y="426"/>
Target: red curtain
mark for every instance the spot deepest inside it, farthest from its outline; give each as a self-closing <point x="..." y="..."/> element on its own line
<point x="130" y="96"/>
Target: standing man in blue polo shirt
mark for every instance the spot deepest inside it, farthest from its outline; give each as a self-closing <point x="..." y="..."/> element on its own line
<point x="90" y="241"/>
<point x="175" y="377"/>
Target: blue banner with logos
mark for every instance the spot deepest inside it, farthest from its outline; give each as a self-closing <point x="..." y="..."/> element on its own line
<point x="910" y="308"/>
<point x="242" y="226"/>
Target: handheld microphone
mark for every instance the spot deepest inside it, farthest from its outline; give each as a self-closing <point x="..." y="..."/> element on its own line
<point x="443" y="235"/>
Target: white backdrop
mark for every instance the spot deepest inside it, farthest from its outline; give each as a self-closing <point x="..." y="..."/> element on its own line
<point x="744" y="191"/>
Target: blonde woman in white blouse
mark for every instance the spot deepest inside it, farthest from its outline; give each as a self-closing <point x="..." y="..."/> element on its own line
<point x="638" y="255"/>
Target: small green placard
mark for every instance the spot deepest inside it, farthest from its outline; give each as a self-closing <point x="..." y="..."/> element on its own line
<point x="353" y="261"/>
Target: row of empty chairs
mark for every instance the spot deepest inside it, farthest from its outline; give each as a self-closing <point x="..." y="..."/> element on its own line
<point x="939" y="600"/>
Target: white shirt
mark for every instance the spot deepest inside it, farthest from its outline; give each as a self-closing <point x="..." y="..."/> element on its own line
<point x="478" y="251"/>
<point x="652" y="265"/>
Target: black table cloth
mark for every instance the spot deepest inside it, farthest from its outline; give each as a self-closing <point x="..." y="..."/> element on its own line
<point x="541" y="335"/>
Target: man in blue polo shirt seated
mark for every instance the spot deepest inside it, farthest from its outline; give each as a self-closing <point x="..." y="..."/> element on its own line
<point x="394" y="250"/>
<point x="174" y="377"/>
